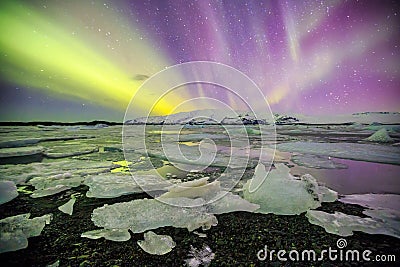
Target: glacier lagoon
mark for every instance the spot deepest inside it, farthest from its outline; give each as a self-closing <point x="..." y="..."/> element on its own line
<point x="53" y="165"/>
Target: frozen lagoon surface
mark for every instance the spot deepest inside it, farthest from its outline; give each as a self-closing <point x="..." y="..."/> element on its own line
<point x="49" y="166"/>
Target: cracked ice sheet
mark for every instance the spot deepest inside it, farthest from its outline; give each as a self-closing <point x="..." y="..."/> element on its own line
<point x="65" y="151"/>
<point x="354" y="151"/>
<point x="115" y="185"/>
<point x="20" y="173"/>
<point x="146" y="214"/>
<point x="179" y="153"/>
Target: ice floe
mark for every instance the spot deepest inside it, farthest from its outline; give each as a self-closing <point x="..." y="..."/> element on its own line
<point x="190" y="206"/>
<point x="212" y="196"/>
<point x="15" y="230"/>
<point x="51" y="185"/>
<point x="20" y="173"/>
<point x="69" y="151"/>
<point x="32" y="141"/>
<point x="317" y="162"/>
<point x="8" y="191"/>
<point x="373" y="201"/>
<point x="48" y="191"/>
<point x="355" y="151"/>
<point x="338" y="223"/>
<point x="192" y="189"/>
<point x="21" y="151"/>
<point x="156" y="244"/>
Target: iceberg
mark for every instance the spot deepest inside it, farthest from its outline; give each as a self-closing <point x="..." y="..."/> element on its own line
<point x="381" y="136"/>
<point x="216" y="200"/>
<point x="66" y="179"/>
<point x="192" y="189"/>
<point x="282" y="194"/>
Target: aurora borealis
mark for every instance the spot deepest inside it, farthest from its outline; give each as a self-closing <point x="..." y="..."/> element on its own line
<point x="81" y="60"/>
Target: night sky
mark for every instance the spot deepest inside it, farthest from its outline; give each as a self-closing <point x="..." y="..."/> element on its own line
<point x="84" y="60"/>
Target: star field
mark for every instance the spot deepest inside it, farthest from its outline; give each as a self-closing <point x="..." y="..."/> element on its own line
<point x="310" y="57"/>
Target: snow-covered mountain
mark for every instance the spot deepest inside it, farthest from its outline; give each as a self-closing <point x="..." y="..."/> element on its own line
<point x="212" y="116"/>
<point x="208" y="116"/>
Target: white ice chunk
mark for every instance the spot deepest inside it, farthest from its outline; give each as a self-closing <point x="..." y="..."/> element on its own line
<point x="8" y="191"/>
<point x="49" y="191"/>
<point x="343" y="225"/>
<point x="66" y="179"/>
<point x="156" y="244"/>
<point x="15" y="230"/>
<point x="281" y="193"/>
<point x="381" y="136"/>
<point x="68" y="207"/>
<point x="119" y="235"/>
